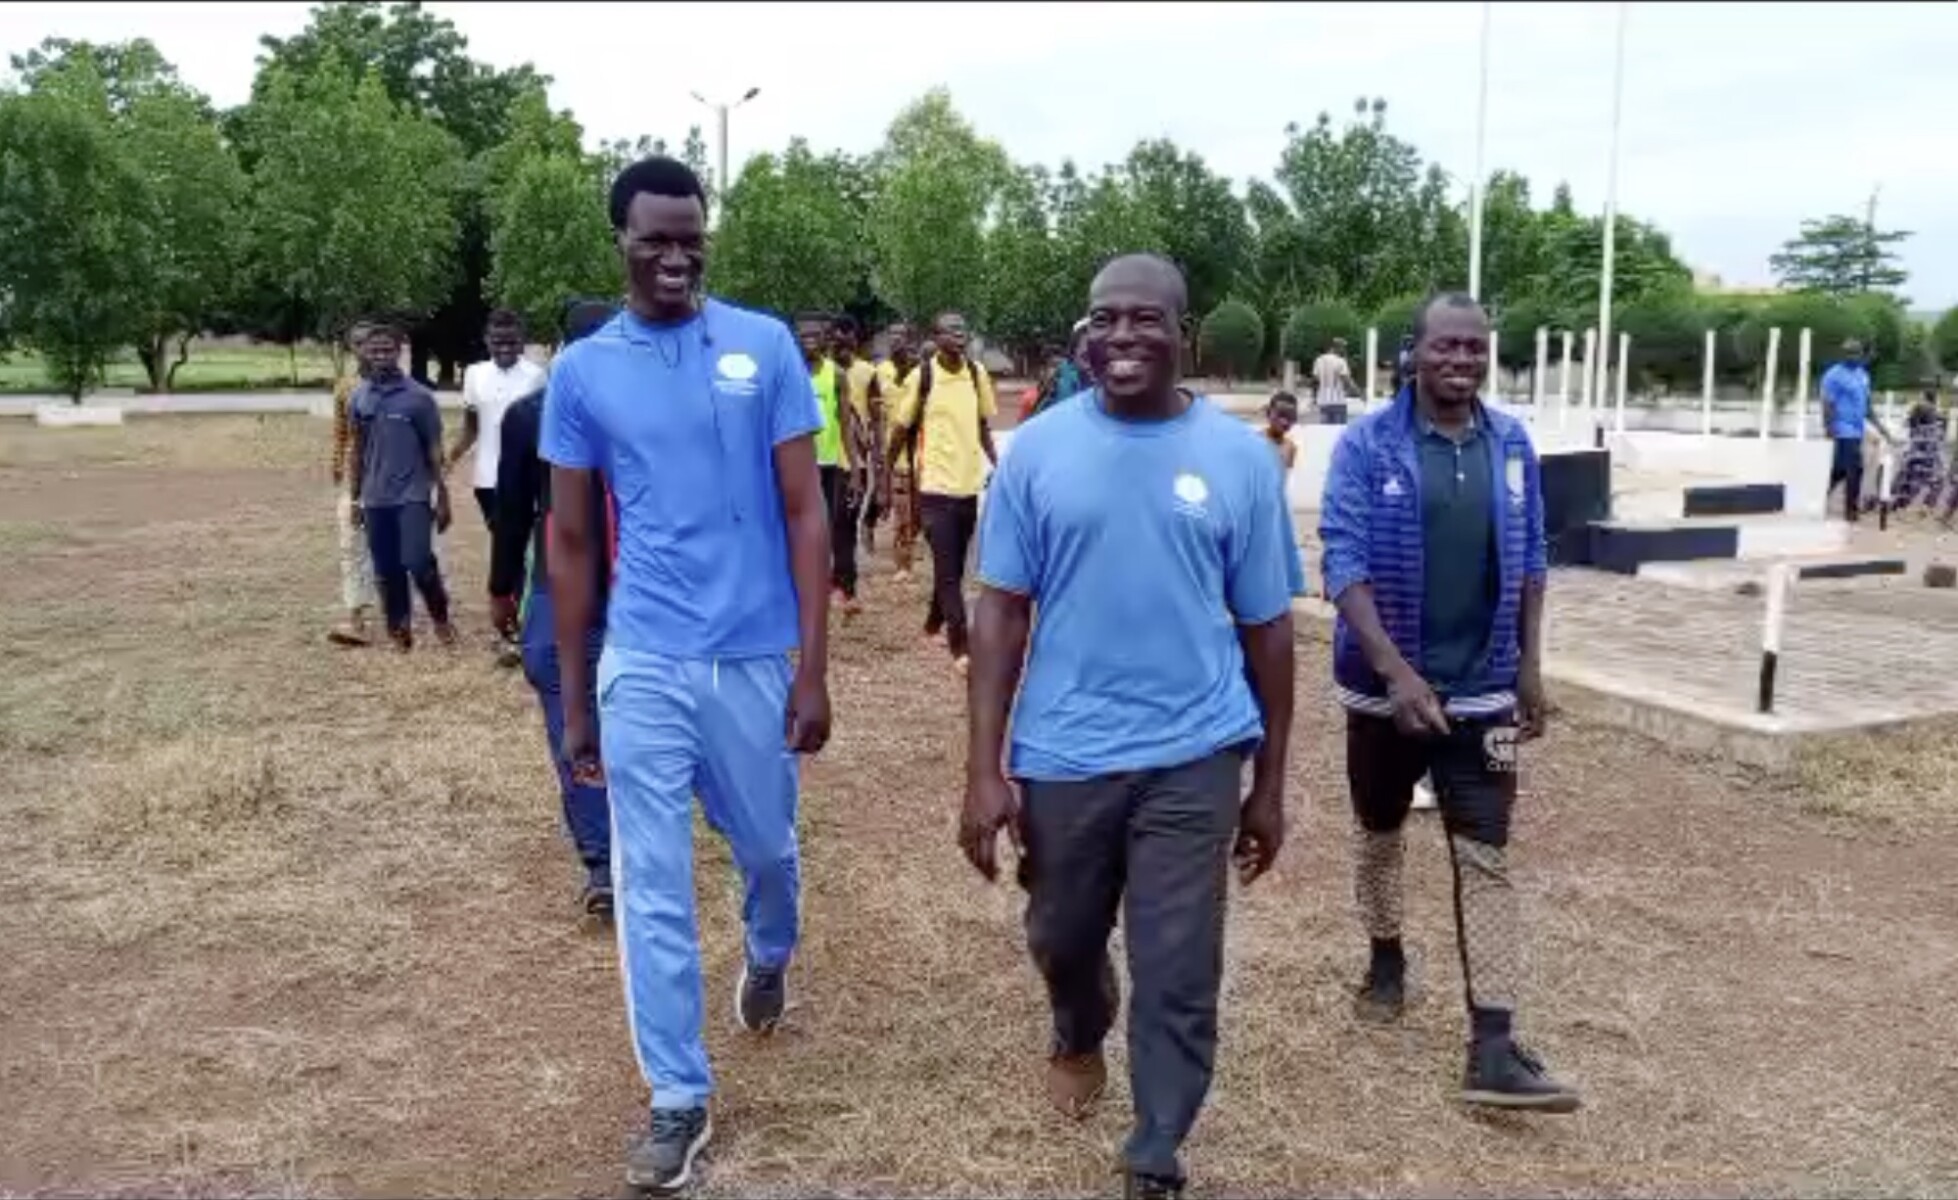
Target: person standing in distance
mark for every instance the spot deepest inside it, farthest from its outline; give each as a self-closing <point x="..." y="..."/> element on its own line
<point x="1434" y="554"/>
<point x="356" y="563"/>
<point x="700" y="416"/>
<point x="897" y="381"/>
<point x="1335" y="383"/>
<point x="946" y="423"/>
<point x="840" y="432"/>
<point x="1846" y="414"/>
<point x="398" y="492"/>
<point x="1148" y="530"/>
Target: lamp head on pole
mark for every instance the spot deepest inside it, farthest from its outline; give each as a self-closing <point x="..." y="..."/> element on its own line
<point x="751" y="94"/>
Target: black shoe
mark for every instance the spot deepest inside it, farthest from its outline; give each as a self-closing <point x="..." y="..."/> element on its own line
<point x="1502" y="1074"/>
<point x="1382" y="996"/>
<point x="761" y="997"/>
<point x="661" y="1161"/>
<point x="598" y="902"/>
<point x="1136" y="1186"/>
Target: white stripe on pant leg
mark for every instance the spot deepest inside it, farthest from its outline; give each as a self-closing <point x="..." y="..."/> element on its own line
<point x="619" y="905"/>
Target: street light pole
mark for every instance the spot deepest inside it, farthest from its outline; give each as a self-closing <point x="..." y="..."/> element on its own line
<point x="1476" y="181"/>
<point x="1611" y="205"/>
<point x="721" y="111"/>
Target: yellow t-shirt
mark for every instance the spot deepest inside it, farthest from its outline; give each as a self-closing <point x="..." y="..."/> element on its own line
<point x="895" y="395"/>
<point x="856" y="377"/>
<point x="954" y="463"/>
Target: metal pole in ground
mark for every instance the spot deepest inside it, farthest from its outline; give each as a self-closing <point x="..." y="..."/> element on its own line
<point x="1489" y="385"/>
<point x="1780" y="580"/>
<point x="1883" y="489"/>
<point x="1706" y="389"/>
<point x="1373" y="365"/>
<point x="1806" y="344"/>
<point x="1624" y="369"/>
<point x="1536" y="376"/>
<point x="1563" y="386"/>
<point x="1767" y="383"/>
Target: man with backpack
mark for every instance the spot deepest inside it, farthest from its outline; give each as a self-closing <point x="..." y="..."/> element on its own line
<point x="944" y="425"/>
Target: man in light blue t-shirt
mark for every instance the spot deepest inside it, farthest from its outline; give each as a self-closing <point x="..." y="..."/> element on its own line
<point x="1846" y="413"/>
<point x="1149" y="531"/>
<point x="701" y="419"/>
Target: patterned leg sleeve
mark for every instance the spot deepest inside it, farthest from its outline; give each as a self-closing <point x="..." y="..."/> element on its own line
<point x="1486" y="922"/>
<point x="1377" y="859"/>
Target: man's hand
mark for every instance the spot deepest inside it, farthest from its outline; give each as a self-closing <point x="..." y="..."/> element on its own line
<point x="990" y="806"/>
<point x="1416" y="708"/>
<point x="581" y="747"/>
<point x="807" y="720"/>
<point x="1532" y="706"/>
<point x="503" y="615"/>
<point x="1260" y="831"/>
<point x="444" y="515"/>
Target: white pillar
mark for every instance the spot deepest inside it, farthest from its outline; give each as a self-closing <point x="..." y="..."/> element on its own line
<point x="1373" y="366"/>
<point x="1495" y="365"/>
<point x="1801" y="385"/>
<point x="1624" y="369"/>
<point x="1536" y="376"/>
<point x="1889" y="410"/>
<point x="1706" y="387"/>
<point x="1767" y="383"/>
<point x="1590" y="385"/>
<point x="1476" y="183"/>
<point x="1609" y="263"/>
<point x="1563" y="386"/>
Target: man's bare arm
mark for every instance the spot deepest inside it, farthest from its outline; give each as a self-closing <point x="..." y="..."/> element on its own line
<point x="1001" y="623"/>
<point x="1272" y="665"/>
<point x="572" y="556"/>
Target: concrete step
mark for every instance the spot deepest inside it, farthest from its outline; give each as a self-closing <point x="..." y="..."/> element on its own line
<point x="1735" y="575"/>
<point x="1734" y="500"/>
<point x="1626" y="544"/>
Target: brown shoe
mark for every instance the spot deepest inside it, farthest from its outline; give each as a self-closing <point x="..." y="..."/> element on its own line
<point x="1075" y="1083"/>
<point x="445" y="633"/>
<point x="404" y="641"/>
<point x="347" y="635"/>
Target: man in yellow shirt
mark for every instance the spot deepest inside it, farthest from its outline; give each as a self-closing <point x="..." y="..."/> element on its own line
<point x="865" y="459"/>
<point x="947" y="417"/>
<point x="841" y="432"/>
<point x="897" y="378"/>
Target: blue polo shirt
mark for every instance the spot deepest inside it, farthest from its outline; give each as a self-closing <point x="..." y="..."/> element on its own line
<point x="1143" y="546"/>
<point x="1847" y="387"/>
<point x="683" y="419"/>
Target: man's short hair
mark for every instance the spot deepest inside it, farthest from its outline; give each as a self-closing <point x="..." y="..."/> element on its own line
<point x="583" y="317"/>
<point x="385" y="326"/>
<point x="1439" y="300"/>
<point x="503" y="320"/>
<point x="656" y="176"/>
<point x="1279" y="398"/>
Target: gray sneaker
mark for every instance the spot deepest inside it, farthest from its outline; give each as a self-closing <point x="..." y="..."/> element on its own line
<point x="760" y="997"/>
<point x="661" y="1160"/>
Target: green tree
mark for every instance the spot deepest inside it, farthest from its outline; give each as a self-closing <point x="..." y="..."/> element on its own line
<point x="1516" y="326"/>
<point x="937" y="180"/>
<point x="1313" y="326"/>
<point x="1668" y="332"/>
<point x="1028" y="307"/>
<point x="550" y="232"/>
<point x="1829" y="321"/>
<point x="1395" y="320"/>
<point x="353" y="204"/>
<point x="1192" y="213"/>
<point x="1944" y="340"/>
<point x="1096" y="219"/>
<point x="1840" y="256"/>
<point x="1512" y="242"/>
<point x="1232" y="339"/>
<point x="73" y="260"/>
<point x="788" y="237"/>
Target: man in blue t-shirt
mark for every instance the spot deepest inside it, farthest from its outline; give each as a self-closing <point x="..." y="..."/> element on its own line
<point x="1149" y="531"/>
<point x="1846" y="414"/>
<point x="700" y="417"/>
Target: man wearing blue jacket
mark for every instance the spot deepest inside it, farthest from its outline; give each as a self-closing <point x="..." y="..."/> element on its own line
<point x="1434" y="554"/>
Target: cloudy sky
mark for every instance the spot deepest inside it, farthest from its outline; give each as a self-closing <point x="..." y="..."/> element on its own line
<point x="1739" y="119"/>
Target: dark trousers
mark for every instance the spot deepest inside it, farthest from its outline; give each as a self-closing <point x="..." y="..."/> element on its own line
<point x="1846" y="468"/>
<point x="401" y="539"/>
<point x="587" y="816"/>
<point x="949" y="523"/>
<point x="486" y="500"/>
<point x="1158" y="845"/>
<point x="842" y="502"/>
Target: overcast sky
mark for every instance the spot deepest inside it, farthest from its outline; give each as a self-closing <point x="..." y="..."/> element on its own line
<point x="1739" y="119"/>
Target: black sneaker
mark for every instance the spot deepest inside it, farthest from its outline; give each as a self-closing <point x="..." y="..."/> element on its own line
<point x="661" y="1161"/>
<point x="760" y="997"/>
<point x="1136" y="1186"/>
<point x="597" y="902"/>
<point x="1502" y="1074"/>
<point x="1382" y="996"/>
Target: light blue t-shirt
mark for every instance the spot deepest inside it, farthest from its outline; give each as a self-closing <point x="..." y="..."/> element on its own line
<point x="1847" y="386"/>
<point x="1143" y="547"/>
<point x="683" y="420"/>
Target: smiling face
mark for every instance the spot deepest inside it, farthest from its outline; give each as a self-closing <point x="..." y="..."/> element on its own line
<point x="1283" y="414"/>
<point x="505" y="345"/>
<point x="1134" y="334"/>
<point x="665" y="246"/>
<point x="948" y="334"/>
<point x="813" y="336"/>
<point x="380" y="353"/>
<point x="902" y="351"/>
<point x="1451" y="357"/>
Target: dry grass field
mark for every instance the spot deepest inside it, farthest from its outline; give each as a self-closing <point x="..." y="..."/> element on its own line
<point x="280" y="919"/>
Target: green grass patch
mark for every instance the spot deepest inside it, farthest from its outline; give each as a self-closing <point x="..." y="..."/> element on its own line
<point x="209" y="369"/>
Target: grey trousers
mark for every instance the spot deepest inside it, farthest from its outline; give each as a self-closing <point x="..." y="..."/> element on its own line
<point x="1156" y="844"/>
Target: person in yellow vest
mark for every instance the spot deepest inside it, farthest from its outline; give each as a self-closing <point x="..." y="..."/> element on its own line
<point x="866" y="460"/>
<point x="897" y="378"/>
<point x="840" y="431"/>
<point x="948" y="416"/>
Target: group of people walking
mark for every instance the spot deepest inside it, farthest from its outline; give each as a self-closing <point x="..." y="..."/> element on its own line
<point x="674" y="509"/>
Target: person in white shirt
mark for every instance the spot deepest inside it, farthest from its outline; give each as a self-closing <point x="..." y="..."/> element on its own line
<point x="1335" y="382"/>
<point x="488" y="390"/>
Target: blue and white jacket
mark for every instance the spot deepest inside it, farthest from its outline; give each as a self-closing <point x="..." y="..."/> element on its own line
<point x="1370" y="529"/>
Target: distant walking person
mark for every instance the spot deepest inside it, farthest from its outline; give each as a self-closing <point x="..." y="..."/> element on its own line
<point x="701" y="419"/>
<point x="866" y="454"/>
<point x="1335" y="382"/>
<point x="1435" y="558"/>
<point x="397" y="440"/>
<point x="520" y="607"/>
<point x="946" y="425"/>
<point x="356" y="564"/>
<point x="1139" y="537"/>
<point x="1846" y="414"/>
<point x="488" y="391"/>
<point x="897" y="381"/>
<point x="840" y="432"/>
<point x="1921" y="475"/>
<point x="1281" y="414"/>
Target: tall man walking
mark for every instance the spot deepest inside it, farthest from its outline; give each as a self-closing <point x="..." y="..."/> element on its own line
<point x="1846" y="414"/>
<point x="701" y="418"/>
<point x="946" y="426"/>
<point x="1434" y="555"/>
<point x="398" y="492"/>
<point x="1148" y="530"/>
<point x="521" y="610"/>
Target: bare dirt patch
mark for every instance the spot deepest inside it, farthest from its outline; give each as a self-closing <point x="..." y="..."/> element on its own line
<point x="281" y="919"/>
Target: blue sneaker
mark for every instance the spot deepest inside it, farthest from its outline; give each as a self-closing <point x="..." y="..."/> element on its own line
<point x="661" y="1161"/>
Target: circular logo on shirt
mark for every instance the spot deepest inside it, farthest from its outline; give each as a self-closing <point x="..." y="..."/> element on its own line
<point x="1191" y="489"/>
<point x="737" y="366"/>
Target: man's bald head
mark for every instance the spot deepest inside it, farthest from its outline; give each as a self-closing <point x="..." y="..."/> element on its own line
<point x="1149" y="274"/>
